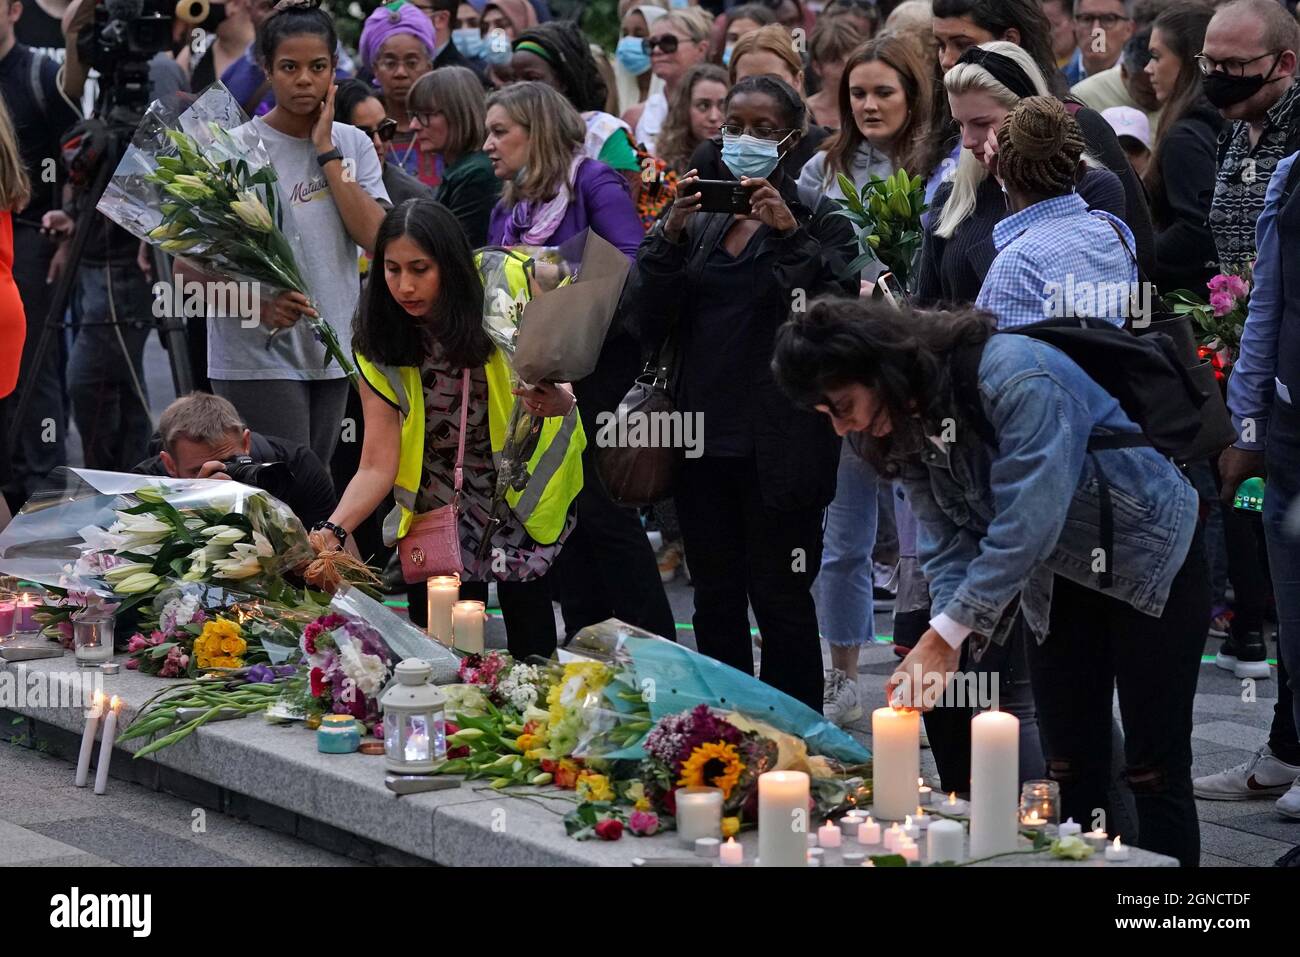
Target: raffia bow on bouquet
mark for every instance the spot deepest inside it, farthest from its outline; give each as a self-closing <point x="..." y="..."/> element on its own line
<point x="548" y="310"/>
<point x="198" y="182"/>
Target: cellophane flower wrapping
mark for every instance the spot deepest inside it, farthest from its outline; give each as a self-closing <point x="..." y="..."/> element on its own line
<point x="128" y="537"/>
<point x="401" y="638"/>
<point x="652" y="678"/>
<point x="198" y="182"/>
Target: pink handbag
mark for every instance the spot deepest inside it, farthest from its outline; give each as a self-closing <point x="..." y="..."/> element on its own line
<point x="431" y="546"/>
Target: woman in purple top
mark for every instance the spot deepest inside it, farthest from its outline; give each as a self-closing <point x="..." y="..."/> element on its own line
<point x="551" y="193"/>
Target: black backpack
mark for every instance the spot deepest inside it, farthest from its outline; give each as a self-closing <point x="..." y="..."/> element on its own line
<point x="1144" y="375"/>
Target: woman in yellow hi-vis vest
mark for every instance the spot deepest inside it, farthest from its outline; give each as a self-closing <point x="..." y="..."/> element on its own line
<point x="419" y="328"/>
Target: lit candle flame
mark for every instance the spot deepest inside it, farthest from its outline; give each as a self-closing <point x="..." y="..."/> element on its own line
<point x="1117" y="845"/>
<point x="115" y="703"/>
<point x="908" y="821"/>
<point x="952" y="797"/>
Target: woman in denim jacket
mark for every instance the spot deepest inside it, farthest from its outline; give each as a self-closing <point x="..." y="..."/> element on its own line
<point x="1015" y="528"/>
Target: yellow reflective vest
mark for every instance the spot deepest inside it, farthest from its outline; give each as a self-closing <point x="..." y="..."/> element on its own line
<point x="554" y="468"/>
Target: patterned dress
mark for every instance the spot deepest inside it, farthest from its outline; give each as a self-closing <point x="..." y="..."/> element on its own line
<point x="514" y="556"/>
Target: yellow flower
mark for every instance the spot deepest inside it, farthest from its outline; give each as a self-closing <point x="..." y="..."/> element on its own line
<point x="529" y="742"/>
<point x="643" y="804"/>
<point x="713" y="764"/>
<point x="594" y="787"/>
<point x="234" y="646"/>
<point x="730" y="826"/>
<point x="535" y="754"/>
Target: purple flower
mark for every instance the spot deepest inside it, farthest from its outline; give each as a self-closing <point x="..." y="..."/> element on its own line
<point x="260" y="675"/>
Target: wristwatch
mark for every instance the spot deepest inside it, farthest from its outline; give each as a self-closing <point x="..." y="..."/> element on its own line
<point x="324" y="158"/>
<point x="337" y="530"/>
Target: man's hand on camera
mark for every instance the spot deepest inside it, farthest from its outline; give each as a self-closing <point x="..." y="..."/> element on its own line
<point x="213" y="470"/>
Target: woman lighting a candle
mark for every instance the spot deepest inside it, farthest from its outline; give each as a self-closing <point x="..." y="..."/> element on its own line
<point x="1009" y="522"/>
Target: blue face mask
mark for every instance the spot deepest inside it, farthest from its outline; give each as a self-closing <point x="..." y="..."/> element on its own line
<point x="469" y="42"/>
<point x="631" y="53"/>
<point x="679" y="4"/>
<point x="750" y="156"/>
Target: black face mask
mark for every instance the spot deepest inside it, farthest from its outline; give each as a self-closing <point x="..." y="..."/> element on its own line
<point x="1223" y="90"/>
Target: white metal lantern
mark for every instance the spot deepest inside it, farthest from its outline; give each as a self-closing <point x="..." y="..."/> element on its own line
<point x="415" y="730"/>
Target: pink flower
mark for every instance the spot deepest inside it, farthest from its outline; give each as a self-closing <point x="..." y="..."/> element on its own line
<point x="132" y="664"/>
<point x="643" y="823"/>
<point x="1222" y="303"/>
<point x="138" y="642"/>
<point x="157" y="638"/>
<point x="1237" y="287"/>
<point x="175" y="664"/>
<point x="1218" y="283"/>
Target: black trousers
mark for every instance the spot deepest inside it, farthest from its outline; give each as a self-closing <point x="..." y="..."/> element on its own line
<point x="742" y="553"/>
<point x="1097" y="644"/>
<point x="607" y="568"/>
<point x="525" y="606"/>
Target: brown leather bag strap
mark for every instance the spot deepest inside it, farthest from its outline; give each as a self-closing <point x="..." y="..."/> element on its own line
<point x="460" y="442"/>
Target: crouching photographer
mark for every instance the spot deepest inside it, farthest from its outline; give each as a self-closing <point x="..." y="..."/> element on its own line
<point x="202" y="436"/>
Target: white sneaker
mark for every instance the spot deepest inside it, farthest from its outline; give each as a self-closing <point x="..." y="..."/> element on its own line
<point x="1289" y="803"/>
<point x="840" y="702"/>
<point x="1263" y="776"/>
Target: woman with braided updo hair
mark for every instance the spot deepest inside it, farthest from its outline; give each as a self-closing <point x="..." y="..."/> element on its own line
<point x="1056" y="257"/>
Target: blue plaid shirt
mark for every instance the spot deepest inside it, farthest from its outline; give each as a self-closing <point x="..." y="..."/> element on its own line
<point x="1058" y="259"/>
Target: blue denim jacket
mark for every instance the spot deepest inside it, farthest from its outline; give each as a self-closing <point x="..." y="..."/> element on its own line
<point x="996" y="525"/>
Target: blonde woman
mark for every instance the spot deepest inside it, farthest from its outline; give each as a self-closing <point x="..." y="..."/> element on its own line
<point x="552" y="193"/>
<point x="984" y="86"/>
<point x="15" y="191"/>
<point x="676" y="43"/>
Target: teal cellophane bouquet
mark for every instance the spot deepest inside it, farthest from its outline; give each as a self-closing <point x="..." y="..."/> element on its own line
<point x="197" y="181"/>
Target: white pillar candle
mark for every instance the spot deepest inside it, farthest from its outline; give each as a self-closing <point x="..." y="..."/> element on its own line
<point x="25" y="615"/>
<point x="896" y="761"/>
<point x="699" y="814"/>
<point x="1069" y="829"/>
<point x="828" y="835"/>
<point x="441" y="592"/>
<point x="783" y="819"/>
<point x="869" y="832"/>
<point x="88" y="738"/>
<point x="731" y="854"/>
<point x="943" y="842"/>
<point x="467" y="626"/>
<point x="994" y="783"/>
<point x="106" y="745"/>
<point x="1116" y="851"/>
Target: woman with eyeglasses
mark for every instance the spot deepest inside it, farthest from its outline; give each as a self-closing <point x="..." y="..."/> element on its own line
<point x="397" y="47"/>
<point x="768" y="51"/>
<point x="633" y="78"/>
<point x="552" y="193"/>
<point x="447" y="109"/>
<point x="678" y="42"/>
<point x="751" y="505"/>
<point x="1181" y="173"/>
<point x="357" y="105"/>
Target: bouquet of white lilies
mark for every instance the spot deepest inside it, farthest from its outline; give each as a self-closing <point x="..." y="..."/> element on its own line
<point x="129" y="535"/>
<point x="198" y="182"/>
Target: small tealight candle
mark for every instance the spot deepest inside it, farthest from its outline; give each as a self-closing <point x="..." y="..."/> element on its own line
<point x="731" y="854"/>
<point x="812" y="840"/>
<point x="925" y="793"/>
<point x="1116" y="851"/>
<point x="852" y="858"/>
<point x="828" y="835"/>
<point x="849" y="825"/>
<point x="911" y="852"/>
<point x="706" y="846"/>
<point x="815" y="856"/>
<point x="1097" y="838"/>
<point x="954" y="804"/>
<point x="893" y="837"/>
<point x="1032" y="820"/>
<point x="910" y="830"/>
<point x="921" y="819"/>
<point x="868" y="832"/>
<point x="1069" y="829"/>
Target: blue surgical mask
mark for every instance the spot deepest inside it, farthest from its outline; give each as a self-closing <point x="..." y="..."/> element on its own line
<point x="631" y="53"/>
<point x="499" y="48"/>
<point x="750" y="156"/>
<point x="726" y="55"/>
<point x="469" y="42"/>
<point x="679" y="4"/>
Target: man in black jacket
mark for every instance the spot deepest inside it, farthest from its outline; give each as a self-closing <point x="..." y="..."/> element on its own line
<point x="202" y="436"/>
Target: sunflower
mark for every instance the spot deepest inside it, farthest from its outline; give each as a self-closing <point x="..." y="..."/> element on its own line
<point x="714" y="764"/>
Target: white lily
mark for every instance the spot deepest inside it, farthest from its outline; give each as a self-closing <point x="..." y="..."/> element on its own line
<point x="124" y="571"/>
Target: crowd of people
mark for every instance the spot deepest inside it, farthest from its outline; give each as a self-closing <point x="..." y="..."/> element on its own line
<point x="1108" y="143"/>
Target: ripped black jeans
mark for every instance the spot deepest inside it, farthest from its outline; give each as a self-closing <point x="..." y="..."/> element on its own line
<point x="1097" y="644"/>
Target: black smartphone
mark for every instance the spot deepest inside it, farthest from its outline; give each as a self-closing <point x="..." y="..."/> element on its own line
<point x="723" y="196"/>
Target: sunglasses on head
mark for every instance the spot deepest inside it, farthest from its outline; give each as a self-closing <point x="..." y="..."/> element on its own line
<point x="668" y="43"/>
<point x="386" y="130"/>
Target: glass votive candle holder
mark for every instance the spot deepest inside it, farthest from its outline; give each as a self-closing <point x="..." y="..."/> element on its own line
<point x="1040" y="805"/>
<point x="25" y="605"/>
<point x="92" y="639"/>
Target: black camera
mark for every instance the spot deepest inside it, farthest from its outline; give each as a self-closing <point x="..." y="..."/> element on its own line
<point x="276" y="478"/>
